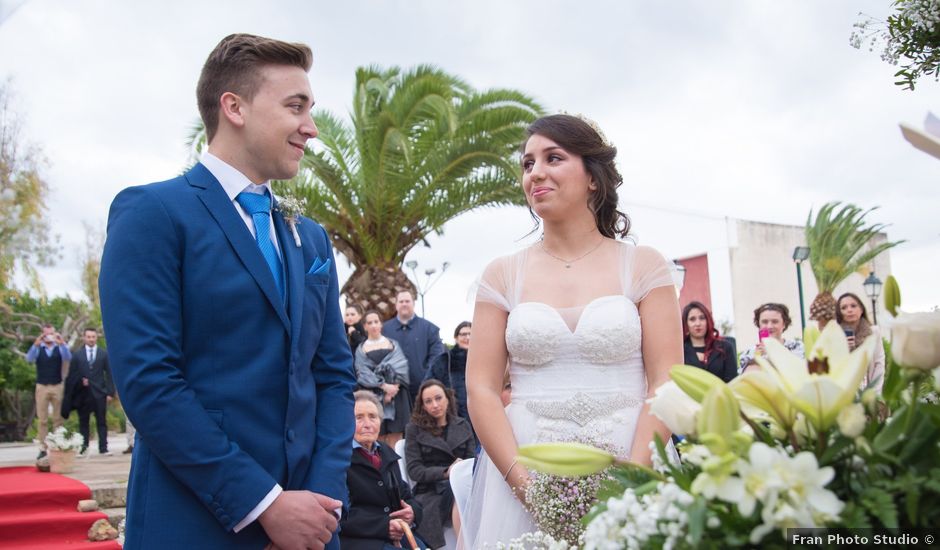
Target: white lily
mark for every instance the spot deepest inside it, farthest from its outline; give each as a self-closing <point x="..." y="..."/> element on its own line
<point x="827" y="381"/>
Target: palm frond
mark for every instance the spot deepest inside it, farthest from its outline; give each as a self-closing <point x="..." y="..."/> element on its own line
<point x="840" y="242"/>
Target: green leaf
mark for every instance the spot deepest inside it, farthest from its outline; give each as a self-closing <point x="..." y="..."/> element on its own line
<point x="881" y="505"/>
<point x="892" y="433"/>
<point x="697" y="513"/>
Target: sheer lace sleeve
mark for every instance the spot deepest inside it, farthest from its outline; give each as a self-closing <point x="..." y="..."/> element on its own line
<point x="499" y="284"/>
<point x="645" y="269"/>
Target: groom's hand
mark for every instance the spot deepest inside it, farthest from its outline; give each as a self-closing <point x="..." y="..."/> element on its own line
<point x="300" y="519"/>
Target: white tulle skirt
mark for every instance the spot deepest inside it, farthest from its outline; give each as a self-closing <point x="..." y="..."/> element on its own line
<point x="494" y="515"/>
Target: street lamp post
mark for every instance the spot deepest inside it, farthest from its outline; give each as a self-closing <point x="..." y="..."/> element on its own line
<point x="873" y="289"/>
<point x="800" y="255"/>
<point x="429" y="281"/>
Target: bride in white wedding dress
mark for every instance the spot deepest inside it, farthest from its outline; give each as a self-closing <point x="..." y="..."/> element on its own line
<point x="588" y="325"/>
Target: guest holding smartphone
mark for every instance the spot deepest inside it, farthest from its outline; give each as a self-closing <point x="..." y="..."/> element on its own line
<point x="772" y="320"/>
<point x="851" y="314"/>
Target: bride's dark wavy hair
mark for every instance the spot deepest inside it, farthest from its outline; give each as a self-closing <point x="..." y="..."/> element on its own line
<point x="577" y="136"/>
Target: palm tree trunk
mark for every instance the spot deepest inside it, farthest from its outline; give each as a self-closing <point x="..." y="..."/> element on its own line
<point x="375" y="288"/>
<point x="823" y="309"/>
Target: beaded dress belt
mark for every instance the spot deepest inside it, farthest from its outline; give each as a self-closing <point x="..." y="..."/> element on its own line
<point x="581" y="408"/>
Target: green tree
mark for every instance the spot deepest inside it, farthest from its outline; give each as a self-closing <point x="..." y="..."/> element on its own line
<point x="839" y="244"/>
<point x="25" y="237"/>
<point x="21" y="319"/>
<point x="422" y="147"/>
<point x="910" y="37"/>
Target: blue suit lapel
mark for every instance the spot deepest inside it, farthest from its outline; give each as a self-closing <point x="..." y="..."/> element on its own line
<point x="293" y="271"/>
<point x="223" y="211"/>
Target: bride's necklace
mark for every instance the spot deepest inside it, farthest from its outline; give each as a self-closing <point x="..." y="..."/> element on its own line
<point x="378" y="340"/>
<point x="569" y="262"/>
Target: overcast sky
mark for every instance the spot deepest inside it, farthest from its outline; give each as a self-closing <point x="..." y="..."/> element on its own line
<point x="754" y="109"/>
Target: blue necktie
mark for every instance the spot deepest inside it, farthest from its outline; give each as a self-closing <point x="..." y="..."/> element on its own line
<point x="259" y="207"/>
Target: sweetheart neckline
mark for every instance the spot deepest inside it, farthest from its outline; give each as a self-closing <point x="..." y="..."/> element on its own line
<point x="562" y="319"/>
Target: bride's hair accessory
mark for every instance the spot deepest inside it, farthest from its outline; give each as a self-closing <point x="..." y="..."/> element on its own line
<point x="594" y="126"/>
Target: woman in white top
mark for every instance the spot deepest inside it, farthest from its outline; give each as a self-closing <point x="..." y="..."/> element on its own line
<point x="851" y="314"/>
<point x="589" y="325"/>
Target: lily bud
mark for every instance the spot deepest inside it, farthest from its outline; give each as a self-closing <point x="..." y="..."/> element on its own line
<point x="565" y="459"/>
<point x="720" y="412"/>
<point x="694" y="381"/>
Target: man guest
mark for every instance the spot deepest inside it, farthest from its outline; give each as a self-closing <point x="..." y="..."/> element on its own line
<point x="420" y="340"/>
<point x="51" y="356"/>
<point x="89" y="388"/>
<point x="223" y="323"/>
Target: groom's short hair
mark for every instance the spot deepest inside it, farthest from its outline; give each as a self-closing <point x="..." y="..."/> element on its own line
<point x="235" y="66"/>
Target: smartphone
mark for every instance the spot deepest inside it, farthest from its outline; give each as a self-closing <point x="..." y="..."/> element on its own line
<point x="763" y="334"/>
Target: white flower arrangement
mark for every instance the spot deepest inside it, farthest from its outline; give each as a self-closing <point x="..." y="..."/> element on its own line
<point x="793" y="445"/>
<point x="63" y="439"/>
<point x="292" y="207"/>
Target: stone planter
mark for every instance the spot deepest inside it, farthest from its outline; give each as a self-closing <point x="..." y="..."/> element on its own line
<point x="61" y="462"/>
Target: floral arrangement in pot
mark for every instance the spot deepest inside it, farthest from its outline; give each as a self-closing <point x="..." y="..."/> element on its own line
<point x="796" y="444"/>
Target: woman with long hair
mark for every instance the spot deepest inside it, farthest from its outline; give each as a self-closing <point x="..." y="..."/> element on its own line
<point x="452" y="371"/>
<point x="704" y="347"/>
<point x="590" y="327"/>
<point x="435" y="440"/>
<point x="851" y="314"/>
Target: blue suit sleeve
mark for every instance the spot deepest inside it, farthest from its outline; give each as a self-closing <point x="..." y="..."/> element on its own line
<point x="435" y="346"/>
<point x="141" y="295"/>
<point x="335" y="378"/>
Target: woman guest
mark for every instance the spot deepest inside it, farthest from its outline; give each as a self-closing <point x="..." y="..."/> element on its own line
<point x="704" y="348"/>
<point x="354" y="329"/>
<point x="435" y="440"/>
<point x="378" y="498"/>
<point x="773" y="319"/>
<point x="381" y="366"/>
<point x="851" y="314"/>
<point x="453" y="372"/>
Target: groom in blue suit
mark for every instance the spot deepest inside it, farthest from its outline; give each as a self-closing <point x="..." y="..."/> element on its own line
<point x="222" y="314"/>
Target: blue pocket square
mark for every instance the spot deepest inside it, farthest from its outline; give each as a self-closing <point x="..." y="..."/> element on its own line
<point x="319" y="267"/>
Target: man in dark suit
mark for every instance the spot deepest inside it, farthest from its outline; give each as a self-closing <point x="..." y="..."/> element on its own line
<point x="221" y="309"/>
<point x="89" y="388"/>
<point x="420" y="340"/>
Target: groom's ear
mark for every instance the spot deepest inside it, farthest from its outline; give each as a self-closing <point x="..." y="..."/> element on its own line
<point x="231" y="109"/>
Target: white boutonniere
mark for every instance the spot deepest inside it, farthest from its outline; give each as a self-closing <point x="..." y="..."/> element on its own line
<point x="291" y="208"/>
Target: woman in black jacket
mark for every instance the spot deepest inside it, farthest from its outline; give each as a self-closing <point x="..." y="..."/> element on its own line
<point x="435" y="440"/>
<point x="704" y="348"/>
<point x="378" y="497"/>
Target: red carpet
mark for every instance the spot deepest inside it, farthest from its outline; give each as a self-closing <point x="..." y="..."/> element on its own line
<point x="38" y="510"/>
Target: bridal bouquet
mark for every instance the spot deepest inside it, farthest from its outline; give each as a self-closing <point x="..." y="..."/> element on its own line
<point x="559" y="502"/>
<point x="796" y="444"/>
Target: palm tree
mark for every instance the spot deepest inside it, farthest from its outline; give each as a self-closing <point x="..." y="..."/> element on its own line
<point x="422" y="148"/>
<point x="839" y="244"/>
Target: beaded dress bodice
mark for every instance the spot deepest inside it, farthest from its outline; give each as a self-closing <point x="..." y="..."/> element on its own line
<point x="583" y="384"/>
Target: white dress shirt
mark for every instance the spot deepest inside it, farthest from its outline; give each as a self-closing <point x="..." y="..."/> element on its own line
<point x="234" y="182"/>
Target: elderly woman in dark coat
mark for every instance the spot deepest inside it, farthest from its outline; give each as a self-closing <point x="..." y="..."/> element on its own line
<point x="435" y="440"/>
<point x="378" y="497"/>
<point x="381" y="367"/>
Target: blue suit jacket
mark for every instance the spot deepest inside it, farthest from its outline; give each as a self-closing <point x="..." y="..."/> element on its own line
<point x="230" y="391"/>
